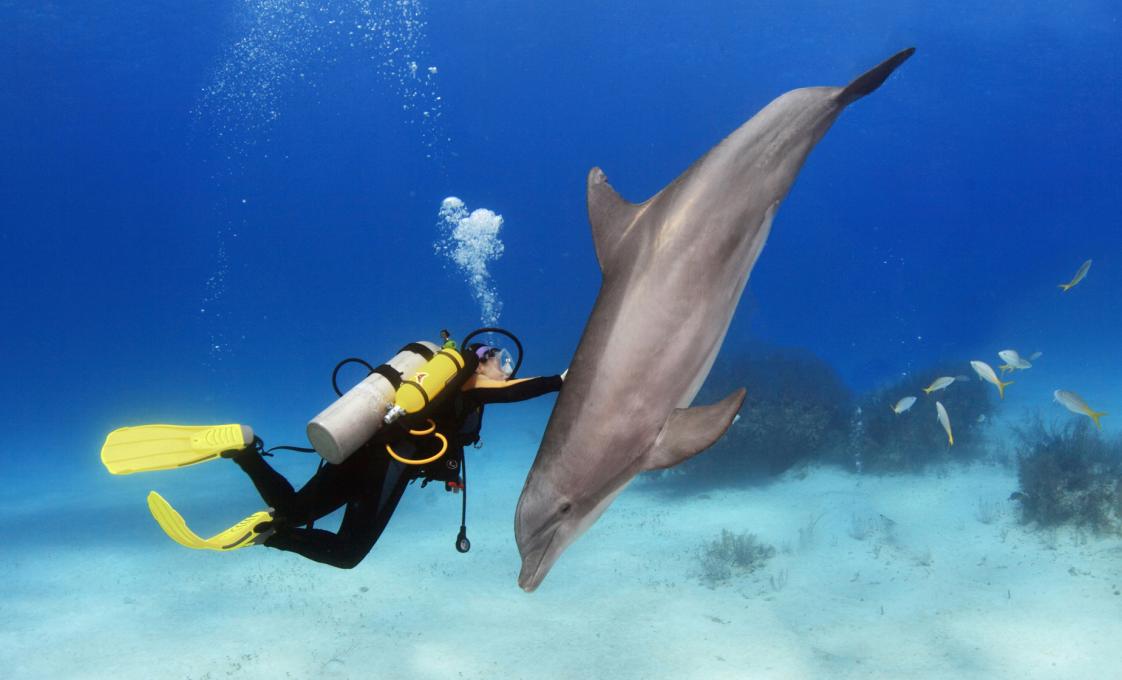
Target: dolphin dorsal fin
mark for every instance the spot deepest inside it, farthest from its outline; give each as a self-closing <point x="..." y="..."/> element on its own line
<point x="689" y="431"/>
<point x="610" y="215"/>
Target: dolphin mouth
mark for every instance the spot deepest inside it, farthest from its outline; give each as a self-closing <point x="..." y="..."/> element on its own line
<point x="531" y="575"/>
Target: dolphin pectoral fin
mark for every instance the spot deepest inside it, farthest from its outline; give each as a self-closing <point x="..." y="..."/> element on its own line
<point x="610" y="215"/>
<point x="873" y="78"/>
<point x="690" y="431"/>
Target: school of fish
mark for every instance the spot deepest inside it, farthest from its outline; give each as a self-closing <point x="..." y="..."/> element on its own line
<point x="1013" y="362"/>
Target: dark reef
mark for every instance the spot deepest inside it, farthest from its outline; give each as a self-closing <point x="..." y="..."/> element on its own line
<point x="1069" y="474"/>
<point x="911" y="441"/>
<point x="796" y="407"/>
<point x="798" y="411"/>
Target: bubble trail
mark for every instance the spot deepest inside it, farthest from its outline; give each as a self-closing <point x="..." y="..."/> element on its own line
<point x="471" y="241"/>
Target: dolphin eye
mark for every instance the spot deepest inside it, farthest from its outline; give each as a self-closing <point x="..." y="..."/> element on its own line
<point x="564" y="510"/>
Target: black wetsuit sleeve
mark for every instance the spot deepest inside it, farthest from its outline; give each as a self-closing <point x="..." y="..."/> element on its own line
<point x="519" y="391"/>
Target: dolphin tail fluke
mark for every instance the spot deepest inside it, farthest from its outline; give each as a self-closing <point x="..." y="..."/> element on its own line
<point x="689" y="431"/>
<point x="872" y="79"/>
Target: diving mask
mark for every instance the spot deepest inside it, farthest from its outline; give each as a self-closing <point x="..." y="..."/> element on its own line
<point x="506" y="360"/>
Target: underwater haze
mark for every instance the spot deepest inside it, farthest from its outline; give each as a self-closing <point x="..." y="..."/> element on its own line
<point x="206" y="206"/>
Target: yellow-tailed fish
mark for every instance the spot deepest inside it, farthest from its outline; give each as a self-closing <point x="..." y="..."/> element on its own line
<point x="1079" y="276"/>
<point x="938" y="384"/>
<point x="1013" y="361"/>
<point x="1074" y="403"/>
<point x="903" y="405"/>
<point x="944" y="420"/>
<point x="986" y="373"/>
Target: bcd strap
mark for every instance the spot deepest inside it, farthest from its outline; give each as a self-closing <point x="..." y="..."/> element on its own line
<point x="471" y="427"/>
<point x="390" y="373"/>
<point x="418" y="348"/>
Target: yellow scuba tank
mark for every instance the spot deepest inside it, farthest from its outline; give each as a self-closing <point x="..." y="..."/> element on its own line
<point x="424" y="386"/>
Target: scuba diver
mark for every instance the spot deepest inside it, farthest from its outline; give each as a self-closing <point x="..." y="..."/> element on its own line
<point x="376" y="439"/>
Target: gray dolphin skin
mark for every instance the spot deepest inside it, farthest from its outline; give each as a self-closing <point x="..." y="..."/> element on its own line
<point x="673" y="271"/>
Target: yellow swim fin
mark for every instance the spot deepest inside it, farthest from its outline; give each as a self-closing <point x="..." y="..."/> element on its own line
<point x="242" y="534"/>
<point x="166" y="447"/>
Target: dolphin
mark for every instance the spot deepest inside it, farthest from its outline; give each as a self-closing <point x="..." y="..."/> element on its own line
<point x="674" y="268"/>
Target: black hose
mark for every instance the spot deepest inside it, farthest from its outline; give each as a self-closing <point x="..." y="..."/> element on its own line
<point x="344" y="362"/>
<point x="462" y="543"/>
<point x="298" y="449"/>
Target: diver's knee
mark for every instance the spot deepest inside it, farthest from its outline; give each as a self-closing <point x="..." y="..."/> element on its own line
<point x="353" y="558"/>
<point x="349" y="558"/>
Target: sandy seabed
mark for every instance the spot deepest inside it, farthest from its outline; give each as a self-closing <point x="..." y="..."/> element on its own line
<point x="923" y="576"/>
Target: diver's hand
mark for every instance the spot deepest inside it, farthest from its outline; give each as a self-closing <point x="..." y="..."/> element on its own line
<point x="563" y="374"/>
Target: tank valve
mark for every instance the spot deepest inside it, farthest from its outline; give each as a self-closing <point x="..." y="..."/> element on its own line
<point x="394" y="413"/>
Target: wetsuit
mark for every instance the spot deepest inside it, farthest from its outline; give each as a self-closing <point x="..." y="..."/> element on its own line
<point x="369" y="483"/>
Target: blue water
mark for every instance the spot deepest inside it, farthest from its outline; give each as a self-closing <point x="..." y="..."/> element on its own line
<point x="205" y="205"/>
<point x="934" y="219"/>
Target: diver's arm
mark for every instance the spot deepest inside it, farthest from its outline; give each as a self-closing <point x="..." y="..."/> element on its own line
<point x="484" y="390"/>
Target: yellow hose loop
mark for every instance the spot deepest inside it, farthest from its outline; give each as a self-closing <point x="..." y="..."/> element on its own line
<point x="421" y="433"/>
<point x="408" y="461"/>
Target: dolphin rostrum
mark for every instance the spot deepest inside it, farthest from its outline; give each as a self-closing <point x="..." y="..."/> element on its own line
<point x="673" y="269"/>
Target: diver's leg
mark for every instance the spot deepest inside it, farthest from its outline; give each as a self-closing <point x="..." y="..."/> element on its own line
<point x="367" y="516"/>
<point x="368" y="512"/>
<point x="275" y="490"/>
<point x="315" y="544"/>
<point x="326" y="491"/>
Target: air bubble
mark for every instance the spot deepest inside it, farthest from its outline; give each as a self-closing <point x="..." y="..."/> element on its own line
<point x="471" y="241"/>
